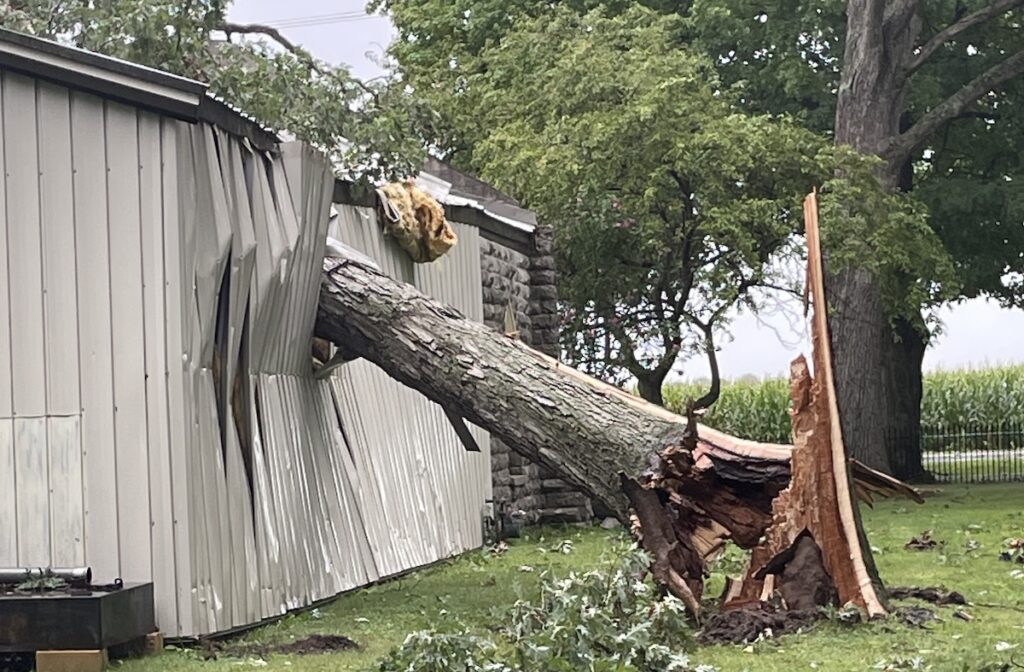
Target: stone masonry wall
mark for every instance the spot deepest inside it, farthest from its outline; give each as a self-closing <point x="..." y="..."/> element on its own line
<point x="529" y="284"/>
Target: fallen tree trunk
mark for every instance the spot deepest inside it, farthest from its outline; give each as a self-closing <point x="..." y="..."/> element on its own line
<point x="690" y="488"/>
<point x="541" y="409"/>
<point x="691" y="493"/>
<point x="587" y="433"/>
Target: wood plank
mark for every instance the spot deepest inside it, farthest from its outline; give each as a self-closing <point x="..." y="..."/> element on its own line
<point x="132" y="468"/>
<point x="154" y="310"/>
<point x="32" y="478"/>
<point x="95" y="354"/>
<point x="71" y="661"/>
<point x="24" y="240"/>
<point x="67" y="538"/>
<point x="58" y="238"/>
<point x="8" y="497"/>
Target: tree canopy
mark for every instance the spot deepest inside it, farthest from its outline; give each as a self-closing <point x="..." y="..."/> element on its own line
<point x="672" y="199"/>
<point x="784" y="57"/>
<point x="670" y="205"/>
<point x="371" y="126"/>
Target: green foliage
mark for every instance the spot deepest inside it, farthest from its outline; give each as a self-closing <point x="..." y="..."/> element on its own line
<point x="756" y="410"/>
<point x="784" y="55"/>
<point x="781" y="57"/>
<point x="865" y="228"/>
<point x="602" y="620"/>
<point x="760" y="410"/>
<point x="988" y="397"/>
<point x="42" y="583"/>
<point x="669" y="204"/>
<point x="367" y="126"/>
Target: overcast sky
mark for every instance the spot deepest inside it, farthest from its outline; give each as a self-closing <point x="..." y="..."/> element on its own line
<point x="977" y="333"/>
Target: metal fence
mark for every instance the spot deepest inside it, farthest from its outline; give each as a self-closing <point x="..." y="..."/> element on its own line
<point x="965" y="454"/>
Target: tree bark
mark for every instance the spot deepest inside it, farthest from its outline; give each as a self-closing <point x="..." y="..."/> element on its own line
<point x="878" y="365"/>
<point x="691" y="487"/>
<point x="541" y="409"/>
<point x="903" y="444"/>
<point x="871" y="100"/>
<point x="650" y="389"/>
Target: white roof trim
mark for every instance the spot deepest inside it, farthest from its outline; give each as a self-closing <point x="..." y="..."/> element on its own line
<point x="441" y="190"/>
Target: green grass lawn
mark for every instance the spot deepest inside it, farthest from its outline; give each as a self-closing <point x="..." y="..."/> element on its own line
<point x="969" y="522"/>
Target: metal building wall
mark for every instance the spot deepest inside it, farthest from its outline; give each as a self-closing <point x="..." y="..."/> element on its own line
<point x="335" y="483"/>
<point x="144" y="263"/>
<point x="86" y="466"/>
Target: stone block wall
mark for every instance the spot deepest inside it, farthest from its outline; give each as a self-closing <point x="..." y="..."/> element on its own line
<point x="527" y="282"/>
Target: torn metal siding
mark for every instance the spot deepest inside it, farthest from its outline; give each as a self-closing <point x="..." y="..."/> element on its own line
<point x="159" y="419"/>
<point x="270" y="526"/>
<point x="340" y="481"/>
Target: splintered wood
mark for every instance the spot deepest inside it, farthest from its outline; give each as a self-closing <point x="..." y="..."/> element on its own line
<point x="815" y="520"/>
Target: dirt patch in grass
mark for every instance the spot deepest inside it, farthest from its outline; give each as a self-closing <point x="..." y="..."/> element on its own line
<point x="314" y="644"/>
<point x="311" y="645"/>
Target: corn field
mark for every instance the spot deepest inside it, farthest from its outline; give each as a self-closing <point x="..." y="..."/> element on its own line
<point x="758" y="410"/>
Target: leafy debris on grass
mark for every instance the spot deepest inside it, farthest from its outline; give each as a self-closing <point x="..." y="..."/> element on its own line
<point x="1013" y="551"/>
<point x="915" y="617"/>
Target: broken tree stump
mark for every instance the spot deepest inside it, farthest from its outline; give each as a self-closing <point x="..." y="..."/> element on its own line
<point x="815" y="546"/>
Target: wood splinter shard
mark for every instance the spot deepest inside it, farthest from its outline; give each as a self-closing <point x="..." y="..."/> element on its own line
<point x="818" y="508"/>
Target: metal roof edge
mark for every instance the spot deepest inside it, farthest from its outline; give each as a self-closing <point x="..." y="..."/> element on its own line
<point x="217" y="111"/>
<point x="129" y="83"/>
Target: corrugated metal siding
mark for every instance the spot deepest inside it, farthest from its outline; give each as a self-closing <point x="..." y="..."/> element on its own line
<point x="344" y="480"/>
<point x="139" y="256"/>
<point x="85" y="460"/>
<point x="424" y="458"/>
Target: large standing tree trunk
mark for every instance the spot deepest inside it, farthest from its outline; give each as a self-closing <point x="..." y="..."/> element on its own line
<point x="877" y="386"/>
<point x="905" y="370"/>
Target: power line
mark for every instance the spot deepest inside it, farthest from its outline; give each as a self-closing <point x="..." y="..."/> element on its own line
<point x="319" y="19"/>
<point x="309" y="17"/>
<point x="327" y="23"/>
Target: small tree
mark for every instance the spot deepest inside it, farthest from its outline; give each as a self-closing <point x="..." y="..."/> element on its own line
<point x="669" y="205"/>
